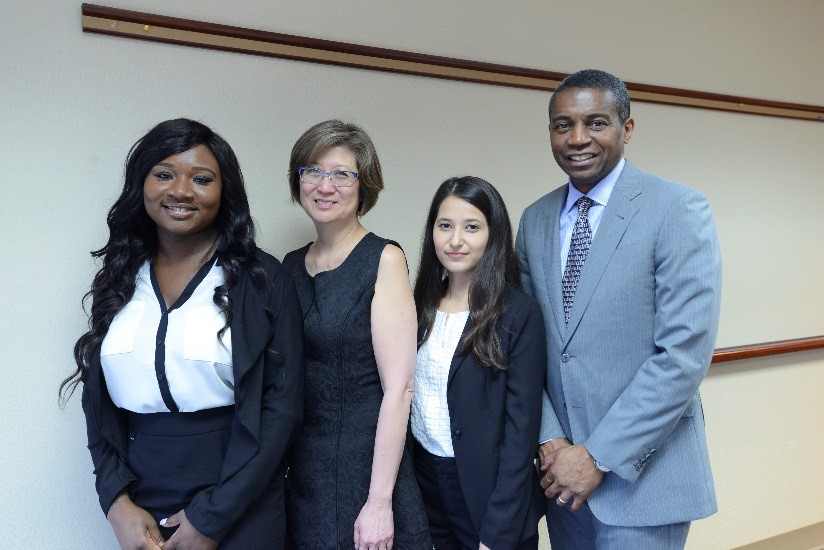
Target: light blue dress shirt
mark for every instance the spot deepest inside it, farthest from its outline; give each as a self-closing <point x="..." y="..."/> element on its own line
<point x="599" y="195"/>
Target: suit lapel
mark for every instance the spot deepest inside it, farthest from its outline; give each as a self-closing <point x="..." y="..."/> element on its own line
<point x="620" y="210"/>
<point x="552" y="259"/>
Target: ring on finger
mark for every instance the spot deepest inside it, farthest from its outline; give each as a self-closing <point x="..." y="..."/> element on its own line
<point x="562" y="501"/>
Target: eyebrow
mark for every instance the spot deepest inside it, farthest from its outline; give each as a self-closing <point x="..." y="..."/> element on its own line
<point x="476" y="220"/>
<point x="588" y="116"/>
<point x="197" y="168"/>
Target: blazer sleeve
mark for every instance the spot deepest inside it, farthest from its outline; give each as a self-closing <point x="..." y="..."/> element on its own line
<point x="216" y="509"/>
<point x="550" y="425"/>
<point x="687" y="271"/>
<point x="510" y="501"/>
<point x="112" y="475"/>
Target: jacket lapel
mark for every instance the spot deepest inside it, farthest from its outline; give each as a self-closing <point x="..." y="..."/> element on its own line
<point x="552" y="258"/>
<point x="620" y="210"/>
<point x="460" y="355"/>
<point x="251" y="328"/>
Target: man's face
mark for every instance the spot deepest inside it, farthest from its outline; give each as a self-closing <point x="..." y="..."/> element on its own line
<point x="586" y="135"/>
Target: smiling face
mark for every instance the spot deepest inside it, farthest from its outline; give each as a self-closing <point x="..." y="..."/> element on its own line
<point x="324" y="202"/>
<point x="460" y="236"/>
<point x="586" y="134"/>
<point x="182" y="193"/>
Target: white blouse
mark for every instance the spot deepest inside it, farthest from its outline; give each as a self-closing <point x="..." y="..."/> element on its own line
<point x="159" y="360"/>
<point x="430" y="412"/>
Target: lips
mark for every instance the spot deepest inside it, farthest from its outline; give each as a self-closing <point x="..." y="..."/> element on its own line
<point x="324" y="204"/>
<point x="457" y="255"/>
<point x="180" y="211"/>
<point x="581" y="157"/>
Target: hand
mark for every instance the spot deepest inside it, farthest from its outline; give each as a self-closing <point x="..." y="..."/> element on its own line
<point x="133" y="526"/>
<point x="543" y="456"/>
<point x="186" y="537"/>
<point x="571" y="476"/>
<point x="375" y="528"/>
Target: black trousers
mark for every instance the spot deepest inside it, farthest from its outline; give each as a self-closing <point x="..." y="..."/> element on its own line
<point x="450" y="524"/>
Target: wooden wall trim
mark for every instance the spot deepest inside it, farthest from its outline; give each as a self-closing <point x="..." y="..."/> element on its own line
<point x="766" y="349"/>
<point x="188" y="32"/>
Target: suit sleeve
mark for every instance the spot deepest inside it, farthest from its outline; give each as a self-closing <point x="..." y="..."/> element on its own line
<point x="550" y="425"/>
<point x="687" y="271"/>
<point x="215" y="510"/>
<point x="510" y="501"/>
<point x="112" y="475"/>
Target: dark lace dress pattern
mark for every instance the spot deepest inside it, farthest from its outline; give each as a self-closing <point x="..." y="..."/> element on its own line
<point x="331" y="460"/>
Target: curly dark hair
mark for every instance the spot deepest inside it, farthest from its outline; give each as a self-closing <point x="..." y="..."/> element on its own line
<point x="497" y="269"/>
<point x="133" y="235"/>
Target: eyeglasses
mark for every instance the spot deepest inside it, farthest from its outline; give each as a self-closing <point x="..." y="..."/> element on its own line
<point x="339" y="178"/>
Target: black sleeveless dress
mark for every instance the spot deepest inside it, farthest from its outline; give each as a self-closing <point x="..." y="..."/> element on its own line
<point x="331" y="460"/>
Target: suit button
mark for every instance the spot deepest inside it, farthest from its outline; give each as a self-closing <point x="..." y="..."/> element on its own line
<point x="565" y="358"/>
<point x="160" y="377"/>
<point x="457" y="434"/>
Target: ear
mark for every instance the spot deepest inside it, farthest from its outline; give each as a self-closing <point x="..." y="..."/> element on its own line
<point x="629" y="126"/>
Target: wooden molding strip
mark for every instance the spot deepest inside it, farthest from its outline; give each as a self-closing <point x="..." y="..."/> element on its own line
<point x="751" y="351"/>
<point x="188" y="32"/>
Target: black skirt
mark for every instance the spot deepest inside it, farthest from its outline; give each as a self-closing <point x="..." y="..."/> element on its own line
<point x="176" y="455"/>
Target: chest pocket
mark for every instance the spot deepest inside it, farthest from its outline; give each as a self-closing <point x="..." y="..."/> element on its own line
<point x="121" y="334"/>
<point x="200" y="341"/>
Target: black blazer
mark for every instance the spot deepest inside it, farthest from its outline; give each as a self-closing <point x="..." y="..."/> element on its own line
<point x="495" y="419"/>
<point x="269" y="374"/>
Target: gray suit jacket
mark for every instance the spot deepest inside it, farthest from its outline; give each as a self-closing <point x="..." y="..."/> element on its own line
<point x="623" y="375"/>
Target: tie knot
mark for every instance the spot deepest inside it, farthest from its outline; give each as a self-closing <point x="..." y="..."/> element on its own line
<point x="583" y="205"/>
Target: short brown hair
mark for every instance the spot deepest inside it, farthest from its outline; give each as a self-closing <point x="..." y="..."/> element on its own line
<point x="332" y="133"/>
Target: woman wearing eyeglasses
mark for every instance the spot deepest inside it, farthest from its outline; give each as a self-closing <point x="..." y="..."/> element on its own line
<point x="350" y="474"/>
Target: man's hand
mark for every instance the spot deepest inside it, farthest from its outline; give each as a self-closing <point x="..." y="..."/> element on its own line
<point x="543" y="456"/>
<point x="570" y="475"/>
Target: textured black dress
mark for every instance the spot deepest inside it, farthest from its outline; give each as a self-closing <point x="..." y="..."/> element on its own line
<point x="331" y="460"/>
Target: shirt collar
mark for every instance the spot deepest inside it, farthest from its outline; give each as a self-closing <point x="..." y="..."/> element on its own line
<point x="600" y="193"/>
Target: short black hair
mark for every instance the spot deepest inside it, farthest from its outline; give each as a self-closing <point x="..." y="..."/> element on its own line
<point x="600" y="80"/>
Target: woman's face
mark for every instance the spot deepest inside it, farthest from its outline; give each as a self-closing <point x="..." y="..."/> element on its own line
<point x="182" y="192"/>
<point x="460" y="235"/>
<point x="323" y="201"/>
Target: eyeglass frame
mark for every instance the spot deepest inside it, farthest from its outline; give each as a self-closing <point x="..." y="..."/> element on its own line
<point x="350" y="178"/>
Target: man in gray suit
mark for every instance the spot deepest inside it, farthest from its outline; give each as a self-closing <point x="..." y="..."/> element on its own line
<point x="627" y="270"/>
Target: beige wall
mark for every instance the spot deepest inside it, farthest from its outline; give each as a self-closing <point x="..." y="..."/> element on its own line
<point x="72" y="104"/>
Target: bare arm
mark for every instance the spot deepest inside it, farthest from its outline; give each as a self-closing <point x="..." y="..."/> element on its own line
<point x="394" y="341"/>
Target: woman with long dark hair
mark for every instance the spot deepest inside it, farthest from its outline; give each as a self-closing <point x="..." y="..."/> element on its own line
<point x="481" y="360"/>
<point x="192" y="368"/>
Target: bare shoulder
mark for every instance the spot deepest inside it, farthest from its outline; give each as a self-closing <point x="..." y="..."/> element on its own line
<point x="393" y="261"/>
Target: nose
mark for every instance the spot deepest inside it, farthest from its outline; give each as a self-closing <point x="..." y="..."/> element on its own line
<point x="456" y="239"/>
<point x="579" y="134"/>
<point x="325" y="185"/>
<point x="181" y="188"/>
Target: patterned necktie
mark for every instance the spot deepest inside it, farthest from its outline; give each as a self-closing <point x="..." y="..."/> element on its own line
<point x="578" y="249"/>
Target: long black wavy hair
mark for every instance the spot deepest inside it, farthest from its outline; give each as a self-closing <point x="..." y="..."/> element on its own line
<point x="496" y="270"/>
<point x="133" y="234"/>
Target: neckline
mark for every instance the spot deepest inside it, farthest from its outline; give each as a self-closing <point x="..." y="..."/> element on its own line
<point x="453" y="313"/>
<point x="343" y="263"/>
<point x="195" y="281"/>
